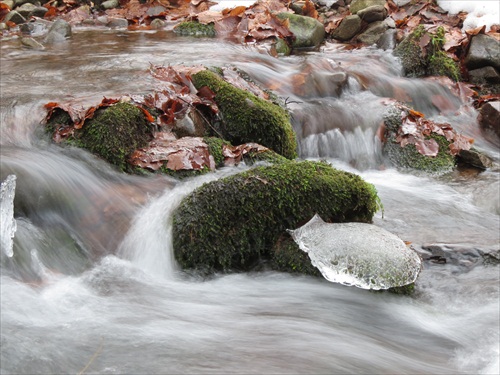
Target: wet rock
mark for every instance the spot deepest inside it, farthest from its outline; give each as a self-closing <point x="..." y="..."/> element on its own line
<point x="464" y="256"/>
<point x="117" y="23"/>
<point x="489" y="117"/>
<point x="58" y="32"/>
<point x="348" y="28"/>
<point x="38" y="12"/>
<point x="110" y="4"/>
<point x="308" y="31"/>
<point x="484" y="51"/>
<point x="15" y="17"/>
<point x="157" y="24"/>
<point x="156" y="11"/>
<point x="373" y="33"/>
<point x="31" y="43"/>
<point x="358" y="5"/>
<point x="475" y="158"/>
<point x="372" y="13"/>
<point x="25" y="9"/>
<point x="209" y="232"/>
<point x="388" y="40"/>
<point x="488" y="74"/>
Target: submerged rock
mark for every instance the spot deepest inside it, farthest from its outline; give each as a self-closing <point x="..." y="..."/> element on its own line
<point x="8" y="224"/>
<point x="358" y="254"/>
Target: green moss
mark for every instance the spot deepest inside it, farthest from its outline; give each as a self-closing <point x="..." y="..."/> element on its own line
<point x="215" y="146"/>
<point x="268" y="156"/>
<point x="114" y="132"/>
<point x="194" y="28"/>
<point x="409" y="157"/>
<point x="409" y="51"/>
<point x="248" y="118"/>
<point x="233" y="222"/>
<point x="440" y="64"/>
<point x="431" y="59"/>
<point x="288" y="257"/>
<point x="182" y="174"/>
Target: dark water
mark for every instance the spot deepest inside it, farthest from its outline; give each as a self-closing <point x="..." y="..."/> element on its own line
<point x="93" y="287"/>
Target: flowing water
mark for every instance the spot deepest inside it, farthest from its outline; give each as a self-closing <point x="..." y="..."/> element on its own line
<point x="93" y="288"/>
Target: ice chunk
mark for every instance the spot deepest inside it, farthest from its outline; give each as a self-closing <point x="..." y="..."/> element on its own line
<point x="358" y="254"/>
<point x="8" y="224"/>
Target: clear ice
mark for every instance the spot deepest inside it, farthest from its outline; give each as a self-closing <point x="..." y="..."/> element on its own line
<point x="8" y="224"/>
<point x="358" y="254"/>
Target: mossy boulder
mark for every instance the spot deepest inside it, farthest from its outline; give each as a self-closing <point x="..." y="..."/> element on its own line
<point x="248" y="118"/>
<point x="422" y="54"/>
<point x="194" y="28"/>
<point x="114" y="133"/>
<point x="408" y="156"/>
<point x="358" y="5"/>
<point x="232" y="223"/>
<point x="308" y="32"/>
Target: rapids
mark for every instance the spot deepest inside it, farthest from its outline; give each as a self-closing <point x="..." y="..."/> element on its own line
<point x="93" y="286"/>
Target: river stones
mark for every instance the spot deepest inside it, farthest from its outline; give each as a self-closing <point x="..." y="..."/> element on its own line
<point x="358" y="254"/>
<point x="308" y="31"/>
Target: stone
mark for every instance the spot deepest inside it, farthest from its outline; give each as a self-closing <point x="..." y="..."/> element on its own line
<point x="489" y="117"/>
<point x="15" y="17"/>
<point x="58" y="32"/>
<point x="309" y="32"/>
<point x="156" y="11"/>
<point x="110" y="4"/>
<point x="488" y="74"/>
<point x="388" y="40"/>
<point x="373" y="13"/>
<point x="117" y="23"/>
<point x="348" y="28"/>
<point x="38" y="12"/>
<point x="373" y="33"/>
<point x="157" y="24"/>
<point x="475" y="158"/>
<point x="357" y="5"/>
<point x="484" y="51"/>
<point x="21" y="2"/>
<point x="25" y="9"/>
<point x="31" y="43"/>
<point x="3" y="26"/>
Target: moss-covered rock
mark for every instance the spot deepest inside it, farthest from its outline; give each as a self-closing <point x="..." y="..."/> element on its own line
<point x="114" y="132"/>
<point x="231" y="223"/>
<point x="408" y="156"/>
<point x="422" y="54"/>
<point x="248" y="118"/>
<point x="194" y="28"/>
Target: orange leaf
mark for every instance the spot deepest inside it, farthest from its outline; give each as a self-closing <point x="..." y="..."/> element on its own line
<point x="416" y="113"/>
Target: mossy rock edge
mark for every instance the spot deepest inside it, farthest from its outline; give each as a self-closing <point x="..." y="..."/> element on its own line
<point x="232" y="223"/>
<point x="248" y="118"/>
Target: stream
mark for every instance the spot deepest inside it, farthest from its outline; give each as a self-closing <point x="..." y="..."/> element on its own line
<point x="93" y="286"/>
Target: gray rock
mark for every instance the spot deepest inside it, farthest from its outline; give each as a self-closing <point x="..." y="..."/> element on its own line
<point x="110" y="4"/>
<point x="31" y="43"/>
<point x="58" y="32"/>
<point x="15" y="17"/>
<point x="348" y="28"/>
<point x="117" y="23"/>
<point x="297" y="6"/>
<point x="156" y="11"/>
<point x="388" y="40"/>
<point x="308" y="31"/>
<point x="372" y="33"/>
<point x="372" y="13"/>
<point x="25" y="9"/>
<point x="357" y="5"/>
<point x="484" y="51"/>
<point x="488" y="74"/>
<point x="21" y="2"/>
<point x="489" y="117"/>
<point x="475" y="158"/>
<point x="38" y="12"/>
<point x="157" y="24"/>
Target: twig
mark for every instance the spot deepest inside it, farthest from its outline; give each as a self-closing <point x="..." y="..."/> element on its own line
<point x="92" y="359"/>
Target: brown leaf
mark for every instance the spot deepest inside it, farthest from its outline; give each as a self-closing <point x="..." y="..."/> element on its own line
<point x="476" y="31"/>
<point x="460" y="142"/>
<point x="427" y="147"/>
<point x="309" y="10"/>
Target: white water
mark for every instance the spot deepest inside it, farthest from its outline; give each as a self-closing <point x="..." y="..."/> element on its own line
<point x="92" y="285"/>
<point x="7" y="222"/>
